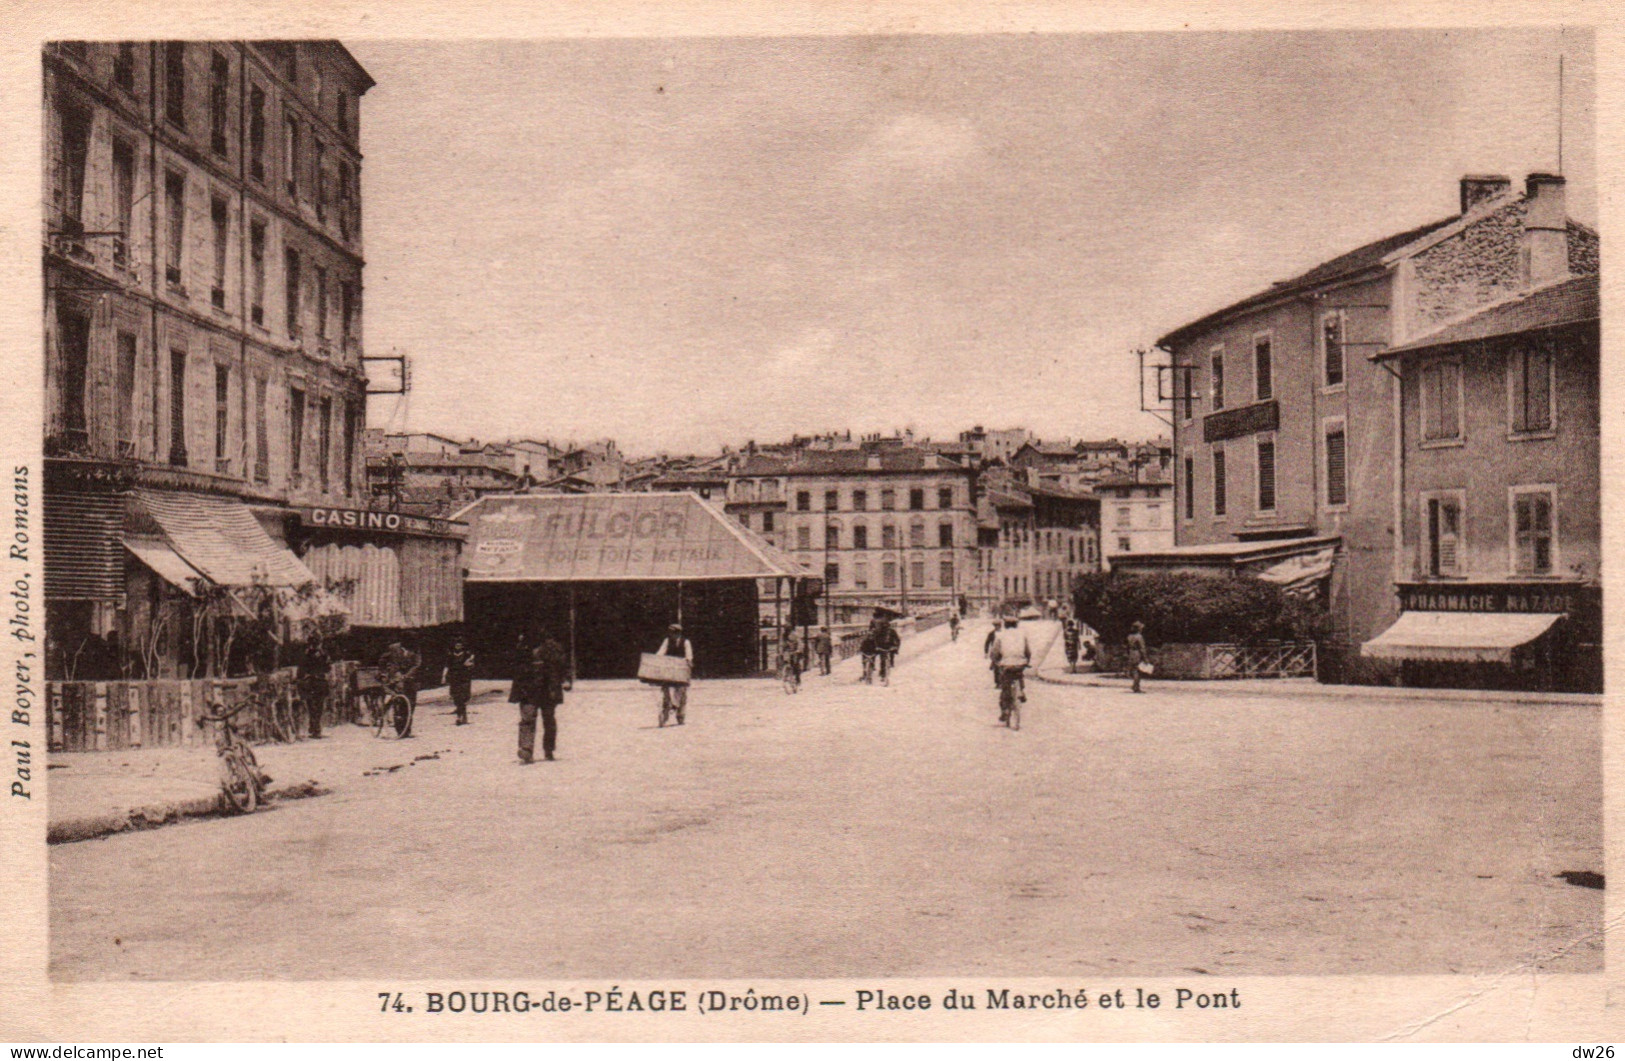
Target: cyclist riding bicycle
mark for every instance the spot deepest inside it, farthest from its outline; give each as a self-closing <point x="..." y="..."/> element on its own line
<point x="1011" y="654"/>
<point x="887" y="641"/>
<point x="792" y="657"/>
<point x="869" y="649"/>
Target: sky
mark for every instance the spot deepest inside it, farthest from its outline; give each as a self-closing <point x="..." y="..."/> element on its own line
<point x="682" y="243"/>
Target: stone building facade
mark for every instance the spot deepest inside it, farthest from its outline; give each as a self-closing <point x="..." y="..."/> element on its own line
<point x="1499" y="572"/>
<point x="202" y="251"/>
<point x="1283" y="426"/>
<point x="890" y="528"/>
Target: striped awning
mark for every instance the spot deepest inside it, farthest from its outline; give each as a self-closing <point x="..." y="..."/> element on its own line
<point x="220" y="537"/>
<point x="1458" y="637"/>
<point x="165" y="562"/>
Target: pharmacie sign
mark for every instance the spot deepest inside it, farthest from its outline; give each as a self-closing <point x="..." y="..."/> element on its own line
<point x="1515" y="597"/>
<point x="372" y="520"/>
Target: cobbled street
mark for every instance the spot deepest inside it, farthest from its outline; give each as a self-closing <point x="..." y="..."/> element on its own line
<point x="888" y="831"/>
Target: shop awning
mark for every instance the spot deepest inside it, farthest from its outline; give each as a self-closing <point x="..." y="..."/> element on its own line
<point x="220" y="537"/>
<point x="1458" y="637"/>
<point x="165" y="562"/>
<point x="614" y="538"/>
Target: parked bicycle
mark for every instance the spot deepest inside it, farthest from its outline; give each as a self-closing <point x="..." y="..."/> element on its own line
<point x="241" y="780"/>
<point x="391" y="709"/>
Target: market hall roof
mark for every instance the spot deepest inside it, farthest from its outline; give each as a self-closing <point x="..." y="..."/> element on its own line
<point x="1571" y="301"/>
<point x="614" y="537"/>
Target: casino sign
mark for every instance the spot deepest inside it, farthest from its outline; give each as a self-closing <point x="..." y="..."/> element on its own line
<point x="353" y="519"/>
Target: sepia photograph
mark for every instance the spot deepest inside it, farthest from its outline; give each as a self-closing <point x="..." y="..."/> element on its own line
<point x="1071" y="507"/>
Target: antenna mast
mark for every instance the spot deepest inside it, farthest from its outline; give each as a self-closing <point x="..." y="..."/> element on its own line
<point x="1560" y="115"/>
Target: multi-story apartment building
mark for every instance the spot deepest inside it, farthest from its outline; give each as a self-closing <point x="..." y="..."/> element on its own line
<point x="987" y="446"/>
<point x="1136" y="515"/>
<point x="1033" y="543"/>
<point x="888" y="527"/>
<point x="202" y="305"/>
<point x="1499" y="572"/>
<point x="1283" y="426"/>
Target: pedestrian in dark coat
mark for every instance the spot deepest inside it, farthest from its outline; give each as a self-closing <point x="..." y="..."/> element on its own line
<point x="538" y="689"/>
<point x="460" y="678"/>
<point x="314" y="664"/>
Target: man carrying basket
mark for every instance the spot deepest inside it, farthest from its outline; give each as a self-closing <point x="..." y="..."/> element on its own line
<point x="673" y="694"/>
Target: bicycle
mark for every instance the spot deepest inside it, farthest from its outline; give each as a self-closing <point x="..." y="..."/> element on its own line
<point x="1009" y="702"/>
<point x="393" y="708"/>
<point x="242" y="782"/>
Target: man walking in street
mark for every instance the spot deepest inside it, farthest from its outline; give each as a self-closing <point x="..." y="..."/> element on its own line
<point x="460" y="678"/>
<point x="314" y="664"/>
<point x="825" y="649"/>
<point x="672" y="694"/>
<point x="538" y="689"/>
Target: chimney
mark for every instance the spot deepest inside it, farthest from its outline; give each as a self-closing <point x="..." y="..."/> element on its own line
<point x="1546" y="229"/>
<point x="1478" y="187"/>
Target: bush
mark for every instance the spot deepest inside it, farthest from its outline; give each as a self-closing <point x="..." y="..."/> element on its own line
<point x="1195" y="609"/>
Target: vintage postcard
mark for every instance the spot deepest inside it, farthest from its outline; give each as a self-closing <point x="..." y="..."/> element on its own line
<point x="868" y="522"/>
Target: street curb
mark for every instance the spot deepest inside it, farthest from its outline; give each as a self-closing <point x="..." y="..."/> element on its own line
<point x="1335" y="692"/>
<point x="94" y="826"/>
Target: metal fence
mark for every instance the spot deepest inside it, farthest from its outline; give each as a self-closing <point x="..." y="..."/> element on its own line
<point x="1292" y="659"/>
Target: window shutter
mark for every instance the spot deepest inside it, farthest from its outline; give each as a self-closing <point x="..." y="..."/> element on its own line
<point x="1266" y="475"/>
<point x="1336" y="470"/>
